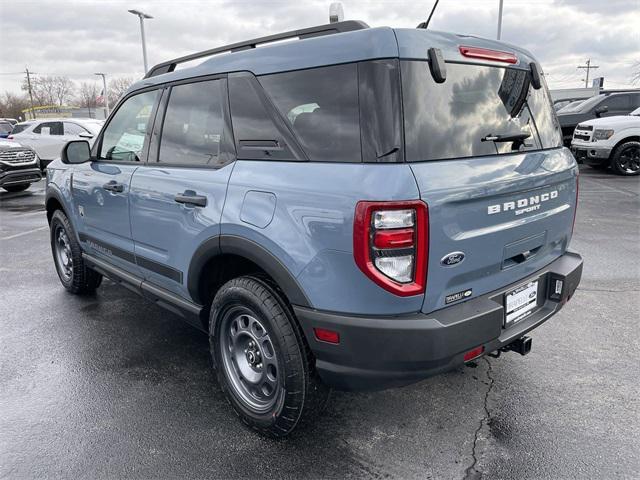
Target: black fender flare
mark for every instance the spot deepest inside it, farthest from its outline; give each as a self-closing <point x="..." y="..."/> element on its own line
<point x="231" y="244"/>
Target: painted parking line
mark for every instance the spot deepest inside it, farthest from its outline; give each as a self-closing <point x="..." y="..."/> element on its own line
<point x="11" y="237"/>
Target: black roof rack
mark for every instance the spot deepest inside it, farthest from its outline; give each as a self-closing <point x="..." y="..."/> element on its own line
<point x="320" y="30"/>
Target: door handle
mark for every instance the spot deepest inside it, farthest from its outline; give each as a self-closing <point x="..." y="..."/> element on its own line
<point x="189" y="197"/>
<point x="113" y="186"/>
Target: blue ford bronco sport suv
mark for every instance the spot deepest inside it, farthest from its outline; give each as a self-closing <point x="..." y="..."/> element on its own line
<point x="358" y="209"/>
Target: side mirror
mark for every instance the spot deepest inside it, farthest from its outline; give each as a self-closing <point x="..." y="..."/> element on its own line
<point x="600" y="110"/>
<point x="75" y="151"/>
<point x="85" y="135"/>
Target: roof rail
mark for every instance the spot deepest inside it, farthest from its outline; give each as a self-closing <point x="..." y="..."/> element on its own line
<point x="320" y="30"/>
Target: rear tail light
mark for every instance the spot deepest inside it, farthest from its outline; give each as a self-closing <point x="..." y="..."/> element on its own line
<point x="475" y="353"/>
<point x="390" y="244"/>
<point x="486" y="54"/>
<point x="329" y="336"/>
<point x="10" y="137"/>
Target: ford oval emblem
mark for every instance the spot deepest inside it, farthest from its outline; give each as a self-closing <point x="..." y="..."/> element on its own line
<point x="452" y="259"/>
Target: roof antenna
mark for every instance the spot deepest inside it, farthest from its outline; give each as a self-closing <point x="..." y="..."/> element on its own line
<point x="425" y="25"/>
<point x="336" y="13"/>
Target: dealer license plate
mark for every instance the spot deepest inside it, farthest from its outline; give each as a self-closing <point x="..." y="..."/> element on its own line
<point x="520" y="302"/>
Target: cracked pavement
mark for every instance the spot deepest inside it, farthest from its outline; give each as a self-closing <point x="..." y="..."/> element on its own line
<point x="111" y="387"/>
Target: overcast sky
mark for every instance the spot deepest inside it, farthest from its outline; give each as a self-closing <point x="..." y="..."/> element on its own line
<point x="78" y="38"/>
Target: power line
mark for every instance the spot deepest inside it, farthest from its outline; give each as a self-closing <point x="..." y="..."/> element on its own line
<point x="587" y="67"/>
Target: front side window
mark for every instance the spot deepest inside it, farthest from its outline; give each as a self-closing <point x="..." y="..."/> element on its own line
<point x="73" y="129"/>
<point x="49" y="128"/>
<point x="617" y="102"/>
<point x="478" y="110"/>
<point x="321" y="107"/>
<point x="193" y="124"/>
<point x="124" y="136"/>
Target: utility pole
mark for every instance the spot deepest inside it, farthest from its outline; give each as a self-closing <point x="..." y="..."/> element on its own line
<point x="33" y="112"/>
<point x="500" y="19"/>
<point x="587" y="67"/>
<point x="142" y="16"/>
<point x="104" y="93"/>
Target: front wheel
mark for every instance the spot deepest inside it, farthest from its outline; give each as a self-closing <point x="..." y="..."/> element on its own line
<point x="626" y="159"/>
<point x="74" y="275"/>
<point x="17" y="188"/>
<point x="261" y="361"/>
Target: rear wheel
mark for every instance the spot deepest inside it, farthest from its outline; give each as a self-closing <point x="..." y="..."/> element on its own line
<point x="17" y="188"/>
<point x="626" y="159"/>
<point x="261" y="360"/>
<point x="74" y="275"/>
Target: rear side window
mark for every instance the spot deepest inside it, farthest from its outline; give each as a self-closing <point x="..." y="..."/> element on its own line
<point x="472" y="111"/>
<point x="320" y="105"/>
<point x="52" y="128"/>
<point x="193" y="124"/>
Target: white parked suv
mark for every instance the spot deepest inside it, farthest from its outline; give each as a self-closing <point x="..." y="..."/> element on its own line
<point x="610" y="141"/>
<point x="49" y="135"/>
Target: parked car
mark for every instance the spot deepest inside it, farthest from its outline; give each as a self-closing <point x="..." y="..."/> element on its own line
<point x="19" y="166"/>
<point x="603" y="105"/>
<point x="327" y="221"/>
<point x="12" y="121"/>
<point x="48" y="136"/>
<point x="610" y="141"/>
<point x="5" y="129"/>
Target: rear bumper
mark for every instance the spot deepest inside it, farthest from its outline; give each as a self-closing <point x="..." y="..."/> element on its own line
<point x="591" y="154"/>
<point x="375" y="353"/>
<point x="18" y="176"/>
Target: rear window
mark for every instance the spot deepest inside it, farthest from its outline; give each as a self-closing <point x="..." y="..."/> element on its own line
<point x="475" y="108"/>
<point x="21" y="127"/>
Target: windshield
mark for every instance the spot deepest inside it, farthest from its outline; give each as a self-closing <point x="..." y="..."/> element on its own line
<point x="478" y="110"/>
<point x="587" y="105"/>
<point x="571" y="107"/>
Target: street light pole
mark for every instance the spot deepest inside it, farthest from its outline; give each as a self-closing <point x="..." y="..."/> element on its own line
<point x="105" y="95"/>
<point x="500" y="19"/>
<point x="142" y="16"/>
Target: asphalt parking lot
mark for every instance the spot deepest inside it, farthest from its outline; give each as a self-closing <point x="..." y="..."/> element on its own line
<point x="110" y="386"/>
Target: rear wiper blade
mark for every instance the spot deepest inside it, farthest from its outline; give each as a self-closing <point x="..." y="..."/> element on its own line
<point x="513" y="137"/>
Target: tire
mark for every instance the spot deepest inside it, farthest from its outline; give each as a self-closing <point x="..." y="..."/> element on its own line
<point x="17" y="188"/>
<point x="257" y="345"/>
<point x="74" y="275"/>
<point x="626" y="159"/>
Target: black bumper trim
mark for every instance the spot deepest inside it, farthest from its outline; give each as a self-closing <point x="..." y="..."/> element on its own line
<point x="387" y="351"/>
<point x="18" y="176"/>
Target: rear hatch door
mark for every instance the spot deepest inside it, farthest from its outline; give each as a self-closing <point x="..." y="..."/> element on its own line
<point x="485" y="149"/>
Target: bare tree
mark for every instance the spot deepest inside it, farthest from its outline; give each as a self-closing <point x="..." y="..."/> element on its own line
<point x="11" y="105"/>
<point x="87" y="96"/>
<point x="117" y="87"/>
<point x="50" y="90"/>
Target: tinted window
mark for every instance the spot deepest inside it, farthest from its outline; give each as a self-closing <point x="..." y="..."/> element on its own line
<point x="73" y="129"/>
<point x="193" y="124"/>
<point x="124" y="136"/>
<point x="475" y="106"/>
<point x="380" y="111"/>
<point x="321" y="106"/>
<point x="617" y="102"/>
<point x="5" y="127"/>
<point x="635" y="100"/>
<point x="55" y="128"/>
<point x="21" y="127"/>
<point x="255" y="130"/>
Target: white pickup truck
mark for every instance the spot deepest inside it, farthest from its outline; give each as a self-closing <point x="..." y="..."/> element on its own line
<point x="610" y="141"/>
